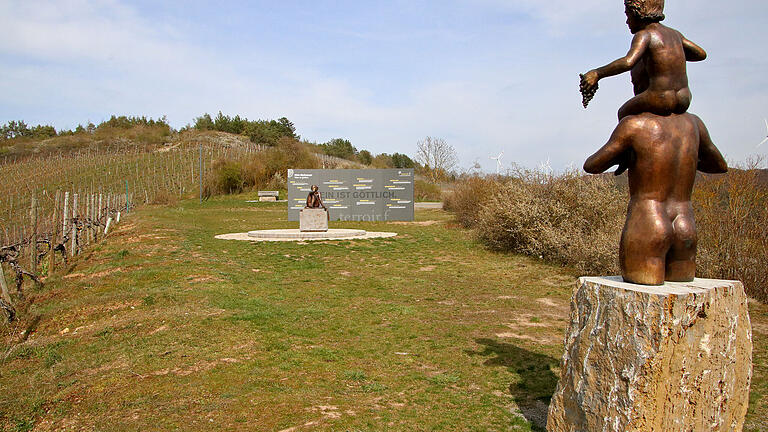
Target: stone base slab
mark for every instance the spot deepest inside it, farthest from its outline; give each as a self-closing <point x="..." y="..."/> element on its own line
<point x="267" y="199"/>
<point x="313" y="220"/>
<point x="676" y="357"/>
<point x="303" y="235"/>
<point x="283" y="235"/>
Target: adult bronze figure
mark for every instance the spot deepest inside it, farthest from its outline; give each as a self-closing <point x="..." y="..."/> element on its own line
<point x="314" y="200"/>
<point x="662" y="154"/>
<point x="661" y="145"/>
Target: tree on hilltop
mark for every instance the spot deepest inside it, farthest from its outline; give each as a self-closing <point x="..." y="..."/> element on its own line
<point x="437" y="157"/>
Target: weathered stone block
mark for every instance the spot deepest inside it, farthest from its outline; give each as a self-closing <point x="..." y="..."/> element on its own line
<point x="676" y="357"/>
<point x="313" y="219"/>
<point x="267" y="199"/>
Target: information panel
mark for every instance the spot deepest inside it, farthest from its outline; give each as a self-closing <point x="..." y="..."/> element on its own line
<point x="355" y="195"/>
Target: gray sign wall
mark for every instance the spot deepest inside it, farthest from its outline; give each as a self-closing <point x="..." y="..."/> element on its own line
<point x="355" y="195"/>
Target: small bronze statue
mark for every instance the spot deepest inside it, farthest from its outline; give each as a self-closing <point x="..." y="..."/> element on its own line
<point x="657" y="59"/>
<point x="314" y="200"/>
<point x="661" y="145"/>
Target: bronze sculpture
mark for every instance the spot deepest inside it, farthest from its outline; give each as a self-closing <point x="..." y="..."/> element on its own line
<point x="656" y="59"/>
<point x="662" y="146"/>
<point x="314" y="200"/>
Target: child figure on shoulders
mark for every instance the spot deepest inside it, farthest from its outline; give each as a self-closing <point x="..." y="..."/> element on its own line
<point x="657" y="61"/>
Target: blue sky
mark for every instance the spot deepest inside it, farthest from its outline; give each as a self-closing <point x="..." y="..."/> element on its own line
<point x="485" y="75"/>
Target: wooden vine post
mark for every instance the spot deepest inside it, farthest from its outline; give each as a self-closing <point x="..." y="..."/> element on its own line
<point x="4" y="286"/>
<point x="33" y="240"/>
<point x="65" y="215"/>
<point x="55" y="235"/>
<point x="73" y="247"/>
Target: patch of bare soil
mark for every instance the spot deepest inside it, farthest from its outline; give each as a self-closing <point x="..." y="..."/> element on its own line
<point x="419" y="223"/>
<point x="200" y="366"/>
<point x="527" y="320"/>
<point x="159" y="329"/>
<point x="88" y="310"/>
<point x="204" y="278"/>
<point x="105" y="273"/>
<point x="507" y="335"/>
<point x="523" y="325"/>
<point x="327" y="411"/>
<point x="555" y="308"/>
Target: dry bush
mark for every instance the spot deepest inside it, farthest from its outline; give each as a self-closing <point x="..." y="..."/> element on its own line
<point x="427" y="191"/>
<point x="468" y="197"/>
<point x="148" y="135"/>
<point x="265" y="170"/>
<point x="732" y="222"/>
<point x="164" y="197"/>
<point x="225" y="177"/>
<point x="289" y="153"/>
<point x="572" y="219"/>
<point x="577" y="220"/>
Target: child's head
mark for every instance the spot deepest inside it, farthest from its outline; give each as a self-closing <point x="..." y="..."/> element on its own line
<point x="645" y="10"/>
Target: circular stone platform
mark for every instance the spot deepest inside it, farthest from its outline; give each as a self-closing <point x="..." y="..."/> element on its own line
<point x="296" y="235"/>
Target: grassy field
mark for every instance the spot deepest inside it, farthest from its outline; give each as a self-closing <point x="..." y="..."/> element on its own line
<point x="162" y="327"/>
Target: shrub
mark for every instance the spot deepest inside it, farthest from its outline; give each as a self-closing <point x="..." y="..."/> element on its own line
<point x="365" y="157"/>
<point x="226" y="177"/>
<point x="570" y="219"/>
<point x="383" y="161"/>
<point x="164" y="197"/>
<point x="577" y="220"/>
<point x="402" y="161"/>
<point x="469" y="196"/>
<point x="732" y="221"/>
<point x="426" y="191"/>
<point x="395" y="160"/>
<point x="265" y="170"/>
<point x="340" y="148"/>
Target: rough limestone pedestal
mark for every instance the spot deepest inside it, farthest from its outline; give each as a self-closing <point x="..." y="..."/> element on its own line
<point x="676" y="357"/>
<point x="313" y="220"/>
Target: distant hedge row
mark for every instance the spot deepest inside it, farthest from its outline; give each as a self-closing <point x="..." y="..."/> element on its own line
<point x="19" y="129"/>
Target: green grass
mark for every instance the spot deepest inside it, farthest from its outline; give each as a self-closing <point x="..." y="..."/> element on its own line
<point x="172" y="329"/>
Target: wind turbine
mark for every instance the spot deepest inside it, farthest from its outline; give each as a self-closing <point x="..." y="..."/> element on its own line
<point x="766" y="137"/>
<point x="498" y="162"/>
